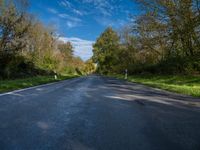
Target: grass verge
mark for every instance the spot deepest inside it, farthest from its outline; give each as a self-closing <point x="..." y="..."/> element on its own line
<point x="188" y="85"/>
<point x="9" y="85"/>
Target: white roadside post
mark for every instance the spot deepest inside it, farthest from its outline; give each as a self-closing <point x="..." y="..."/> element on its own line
<point x="55" y="76"/>
<point x="126" y="74"/>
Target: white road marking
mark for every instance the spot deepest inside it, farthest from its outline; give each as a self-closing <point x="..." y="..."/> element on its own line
<point x="34" y="87"/>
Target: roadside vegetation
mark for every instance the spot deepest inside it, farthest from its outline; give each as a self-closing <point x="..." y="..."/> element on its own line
<point x="160" y="47"/>
<point x="188" y="85"/>
<point x="29" y="49"/>
<point x="9" y="85"/>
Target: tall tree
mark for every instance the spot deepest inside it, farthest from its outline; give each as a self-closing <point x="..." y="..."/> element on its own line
<point x="66" y="49"/>
<point x="89" y="67"/>
<point x="181" y="19"/>
<point x="14" y="26"/>
<point x="105" y="50"/>
<point x="13" y="29"/>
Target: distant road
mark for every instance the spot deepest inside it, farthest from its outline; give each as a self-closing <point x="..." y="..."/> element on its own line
<point x="98" y="113"/>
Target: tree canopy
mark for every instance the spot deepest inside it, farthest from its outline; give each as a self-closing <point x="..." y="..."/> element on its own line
<point x="164" y="38"/>
<point x="104" y="52"/>
<point x="29" y="48"/>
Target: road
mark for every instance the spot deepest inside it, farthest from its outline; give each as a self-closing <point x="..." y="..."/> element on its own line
<point x="98" y="113"/>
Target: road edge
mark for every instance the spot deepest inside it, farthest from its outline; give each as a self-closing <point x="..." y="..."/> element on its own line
<point x="37" y="86"/>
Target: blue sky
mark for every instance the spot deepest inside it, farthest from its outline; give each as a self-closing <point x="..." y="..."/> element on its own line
<point x="82" y="21"/>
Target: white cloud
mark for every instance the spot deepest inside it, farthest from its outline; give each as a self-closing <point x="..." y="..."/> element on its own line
<point x="65" y="3"/>
<point x="82" y="48"/>
<point x="104" y="21"/>
<point x="63" y="15"/>
<point x="78" y="12"/>
<point x="71" y="24"/>
<point x="52" y="10"/>
<point x="105" y="7"/>
<point x="106" y="10"/>
<point x="66" y="16"/>
<point x="71" y="21"/>
<point x="102" y="11"/>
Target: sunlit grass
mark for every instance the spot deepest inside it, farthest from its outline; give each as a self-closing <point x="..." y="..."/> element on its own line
<point x="189" y="85"/>
<point x="9" y="85"/>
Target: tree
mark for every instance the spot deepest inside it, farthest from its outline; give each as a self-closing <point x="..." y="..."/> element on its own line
<point x="14" y="26"/>
<point x="89" y="67"/>
<point x="66" y="50"/>
<point x="165" y="35"/>
<point x="105" y="51"/>
<point x="27" y="47"/>
<point x="181" y="19"/>
<point x="41" y="47"/>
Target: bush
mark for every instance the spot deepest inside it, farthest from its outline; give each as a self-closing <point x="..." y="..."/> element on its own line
<point x="173" y="65"/>
<point x="19" y="67"/>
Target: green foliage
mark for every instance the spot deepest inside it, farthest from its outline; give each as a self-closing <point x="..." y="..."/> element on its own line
<point x="28" y="48"/>
<point x="66" y="49"/>
<point x="89" y="67"/>
<point x="189" y="85"/>
<point x="9" y="85"/>
<point x="105" y="50"/>
<point x="14" y="26"/>
<point x="163" y="39"/>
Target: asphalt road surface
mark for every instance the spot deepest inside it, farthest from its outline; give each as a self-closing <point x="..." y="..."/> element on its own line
<point x="98" y="113"/>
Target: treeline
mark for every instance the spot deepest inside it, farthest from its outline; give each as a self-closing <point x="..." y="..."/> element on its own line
<point x="164" y="39"/>
<point x="28" y="48"/>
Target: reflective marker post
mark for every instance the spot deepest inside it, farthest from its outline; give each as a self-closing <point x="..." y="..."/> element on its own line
<point x="55" y="75"/>
<point x="126" y="74"/>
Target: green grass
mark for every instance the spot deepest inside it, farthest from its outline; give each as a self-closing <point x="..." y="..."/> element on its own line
<point x="188" y="85"/>
<point x="9" y="85"/>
